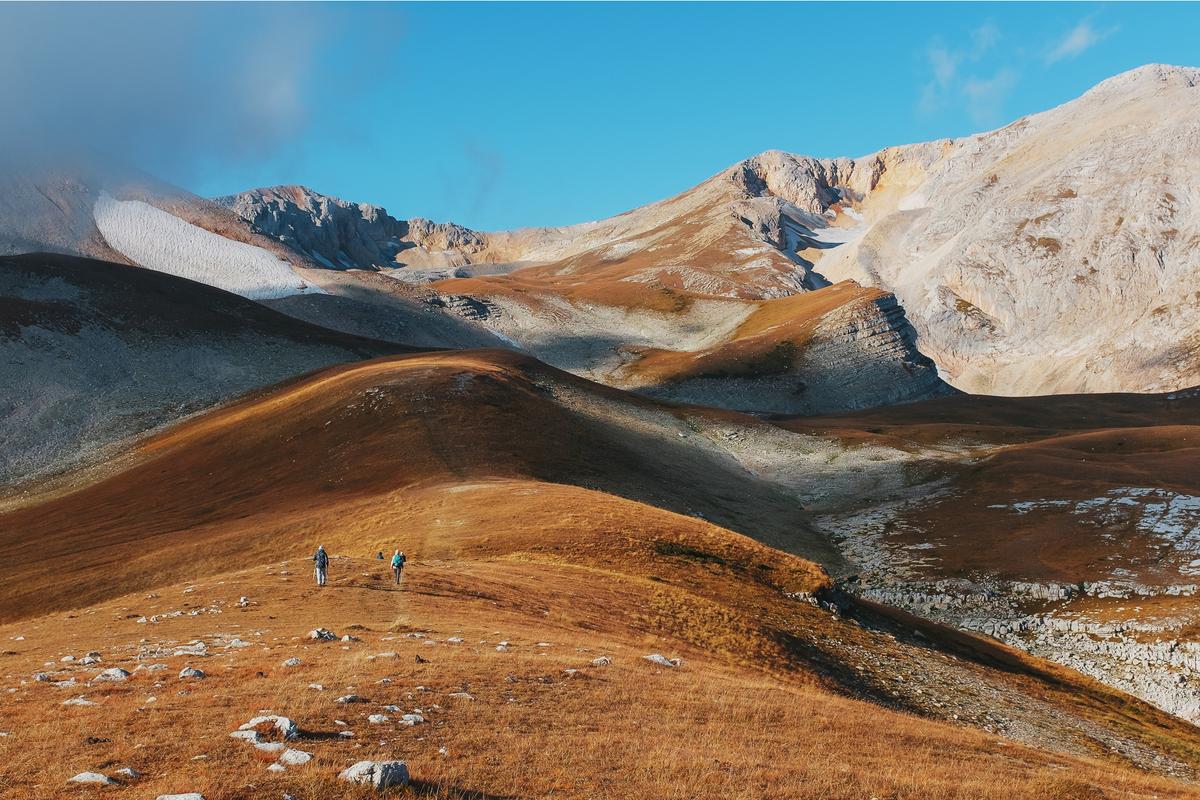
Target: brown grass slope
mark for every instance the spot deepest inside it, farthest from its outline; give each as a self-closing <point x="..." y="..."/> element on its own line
<point x="295" y="463"/>
<point x="451" y="457"/>
<point x="758" y="709"/>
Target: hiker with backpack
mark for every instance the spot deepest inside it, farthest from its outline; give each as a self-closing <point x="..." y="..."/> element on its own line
<point x="321" y="561"/>
<point x="398" y="565"/>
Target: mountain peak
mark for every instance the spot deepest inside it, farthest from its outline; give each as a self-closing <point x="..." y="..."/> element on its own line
<point x="1148" y="76"/>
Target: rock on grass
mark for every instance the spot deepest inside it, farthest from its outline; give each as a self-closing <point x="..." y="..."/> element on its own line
<point x="91" y="777"/>
<point x="380" y="774"/>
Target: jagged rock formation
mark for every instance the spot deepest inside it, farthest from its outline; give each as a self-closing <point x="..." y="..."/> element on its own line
<point x="343" y="235"/>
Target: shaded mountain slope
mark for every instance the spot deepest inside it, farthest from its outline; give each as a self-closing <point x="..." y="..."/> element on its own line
<point x="92" y="353"/>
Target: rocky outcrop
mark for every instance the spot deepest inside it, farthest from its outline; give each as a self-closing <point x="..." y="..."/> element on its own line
<point x="1003" y="245"/>
<point x="1142" y="657"/>
<point x="860" y="354"/>
<point x="343" y="235"/>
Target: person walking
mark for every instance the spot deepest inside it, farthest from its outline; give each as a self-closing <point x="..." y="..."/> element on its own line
<point x="321" y="561"/>
<point x="398" y="565"/>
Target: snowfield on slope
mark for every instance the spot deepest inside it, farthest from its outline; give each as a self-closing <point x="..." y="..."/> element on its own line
<point x="163" y="242"/>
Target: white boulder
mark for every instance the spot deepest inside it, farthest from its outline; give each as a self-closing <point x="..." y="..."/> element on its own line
<point x="285" y="726"/>
<point x="379" y="774"/>
<point x="294" y="758"/>
<point x="91" y="777"/>
<point x="662" y="661"/>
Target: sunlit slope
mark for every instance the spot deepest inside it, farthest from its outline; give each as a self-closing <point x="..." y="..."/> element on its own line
<point x="305" y="463"/>
<point x="787" y="697"/>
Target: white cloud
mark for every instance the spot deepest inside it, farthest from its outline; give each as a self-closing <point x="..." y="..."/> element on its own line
<point x="946" y="64"/>
<point x="1080" y="38"/>
<point x="984" y="38"/>
<point x="986" y="96"/>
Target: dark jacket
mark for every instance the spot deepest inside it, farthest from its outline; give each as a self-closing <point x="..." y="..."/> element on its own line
<point x="321" y="559"/>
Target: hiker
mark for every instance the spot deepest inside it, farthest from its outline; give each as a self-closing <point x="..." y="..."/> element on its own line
<point x="398" y="565"/>
<point x="379" y="556"/>
<point x="321" y="560"/>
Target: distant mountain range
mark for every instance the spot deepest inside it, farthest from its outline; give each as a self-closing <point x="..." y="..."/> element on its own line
<point x="1057" y="254"/>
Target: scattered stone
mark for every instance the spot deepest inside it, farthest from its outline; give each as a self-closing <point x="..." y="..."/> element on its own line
<point x="602" y="661"/>
<point x="422" y="659"/>
<point x="188" y="796"/>
<point x="269" y="747"/>
<point x="276" y="768"/>
<point x="378" y="719"/>
<point x="295" y="758"/>
<point x="287" y="728"/>
<point x="322" y="635"/>
<point x="191" y="672"/>
<point x="349" y="698"/>
<point x="41" y="677"/>
<point x="316" y="686"/>
<point x="462" y="695"/>
<point x="237" y="643"/>
<point x="379" y="774"/>
<point x="193" y="649"/>
<point x="243" y="602"/>
<point x="455" y="640"/>
<point x="570" y="673"/>
<point x="349" y="638"/>
<point x="78" y="701"/>
<point x="292" y="662"/>
<point x="662" y="661"/>
<point x="412" y="719"/>
<point x="91" y="777"/>
<point x="113" y="674"/>
<point x="129" y="772"/>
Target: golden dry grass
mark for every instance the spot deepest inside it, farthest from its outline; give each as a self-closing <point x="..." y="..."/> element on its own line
<point x="720" y="726"/>
<point x="770" y="701"/>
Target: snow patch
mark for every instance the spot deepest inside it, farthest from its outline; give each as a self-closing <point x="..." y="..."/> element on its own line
<point x="163" y="242"/>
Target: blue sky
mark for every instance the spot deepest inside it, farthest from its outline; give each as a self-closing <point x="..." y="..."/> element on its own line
<point x="499" y="115"/>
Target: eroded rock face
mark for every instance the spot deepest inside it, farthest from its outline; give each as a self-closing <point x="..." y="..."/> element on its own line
<point x="343" y="235"/>
<point x="1003" y="246"/>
